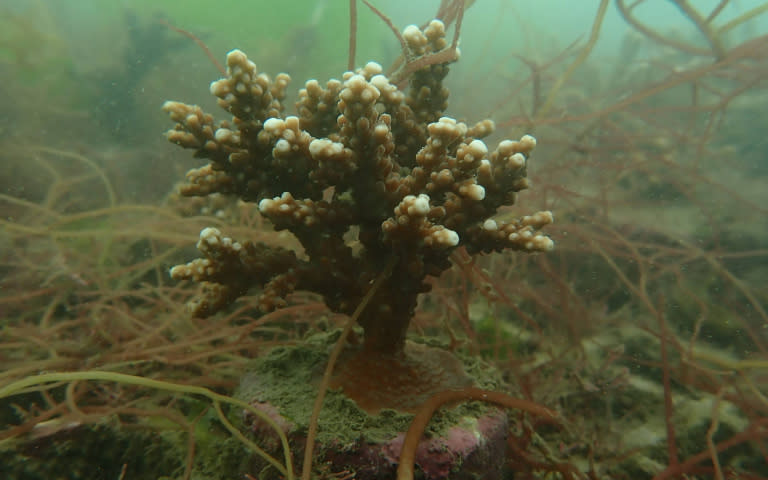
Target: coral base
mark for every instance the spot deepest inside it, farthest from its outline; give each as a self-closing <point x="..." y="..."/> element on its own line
<point x="401" y="382"/>
<point x="365" y="436"/>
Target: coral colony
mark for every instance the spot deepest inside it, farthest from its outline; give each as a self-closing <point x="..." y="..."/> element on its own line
<point x="364" y="176"/>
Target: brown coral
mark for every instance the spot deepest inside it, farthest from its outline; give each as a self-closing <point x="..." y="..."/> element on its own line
<point x="362" y="162"/>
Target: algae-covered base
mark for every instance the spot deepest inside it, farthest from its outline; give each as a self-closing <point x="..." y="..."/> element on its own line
<point x="466" y="441"/>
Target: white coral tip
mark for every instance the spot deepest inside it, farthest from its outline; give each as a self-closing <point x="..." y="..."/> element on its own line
<point x="274" y="126"/>
<point x="475" y="192"/>
<point x="373" y="68"/>
<point x="446" y="237"/>
<point x="419" y="206"/>
<point x="282" y="147"/>
<point x="379" y="81"/>
<point x="411" y="32"/>
<point x="478" y="148"/>
<point x="324" y="147"/>
<point x="528" y="141"/>
<point x="236" y="56"/>
<point x="490" y="225"/>
<point x="209" y="234"/>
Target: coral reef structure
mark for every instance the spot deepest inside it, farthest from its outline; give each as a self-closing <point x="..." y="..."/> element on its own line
<point x="364" y="175"/>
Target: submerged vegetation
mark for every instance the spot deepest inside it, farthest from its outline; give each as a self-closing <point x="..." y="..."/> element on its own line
<point x="645" y="330"/>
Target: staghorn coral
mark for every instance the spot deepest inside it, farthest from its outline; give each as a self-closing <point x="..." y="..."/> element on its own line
<point x="362" y="173"/>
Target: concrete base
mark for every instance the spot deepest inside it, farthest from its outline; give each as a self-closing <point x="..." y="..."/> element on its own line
<point x="467" y="441"/>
